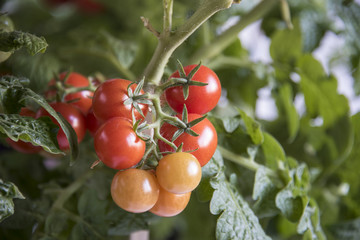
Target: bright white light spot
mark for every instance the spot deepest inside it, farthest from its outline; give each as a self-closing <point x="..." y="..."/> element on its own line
<point x="255" y="41"/>
<point x="317" y="122"/>
<point x="265" y="105"/>
<point x="299" y="103"/>
<point x="295" y="77"/>
<point x="193" y="169"/>
<point x="146" y="186"/>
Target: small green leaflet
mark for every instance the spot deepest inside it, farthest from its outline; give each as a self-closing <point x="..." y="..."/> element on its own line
<point x="41" y="132"/>
<point x="236" y="220"/>
<point x="11" y="41"/>
<point x="8" y="191"/>
<point x="252" y="128"/>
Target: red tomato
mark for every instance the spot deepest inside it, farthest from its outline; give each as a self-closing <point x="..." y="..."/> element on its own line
<point x="201" y="99"/>
<point x="20" y="146"/>
<point x="170" y="204"/>
<point x="90" y="6"/>
<point x="135" y="190"/>
<point x="92" y="123"/>
<point x="117" y="145"/>
<point x="109" y="97"/>
<point x="205" y="143"/>
<point x="82" y="99"/>
<point x="73" y="116"/>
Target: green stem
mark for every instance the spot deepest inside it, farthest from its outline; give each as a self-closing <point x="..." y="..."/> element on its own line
<point x="168" y="43"/>
<point x="226" y="38"/>
<point x="71" y="189"/>
<point x="168" y="11"/>
<point x="245" y="162"/>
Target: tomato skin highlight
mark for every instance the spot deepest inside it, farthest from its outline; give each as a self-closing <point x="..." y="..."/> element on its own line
<point x="82" y="100"/>
<point x="71" y="115"/>
<point x="21" y="146"/>
<point x="109" y="97"/>
<point x="179" y="172"/>
<point x="135" y="190"/>
<point x="170" y="204"/>
<point x="205" y="143"/>
<point x="117" y="145"/>
<point x="201" y="99"/>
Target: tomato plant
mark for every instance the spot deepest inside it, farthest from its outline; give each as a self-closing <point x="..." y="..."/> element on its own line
<point x="117" y="145"/>
<point x="109" y="98"/>
<point x="178" y="173"/>
<point x="135" y="190"/>
<point x="201" y="99"/>
<point x="70" y="114"/>
<point x="202" y="146"/>
<point x="274" y="157"/>
<point x="81" y="99"/>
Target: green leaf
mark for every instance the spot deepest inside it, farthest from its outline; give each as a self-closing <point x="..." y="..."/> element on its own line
<point x="320" y="92"/>
<point x="8" y="85"/>
<point x="309" y="224"/>
<point x="204" y="191"/>
<point x="237" y="220"/>
<point x="348" y="230"/>
<point x="11" y="41"/>
<point x="231" y="123"/>
<point x="286" y="45"/>
<point x="56" y="223"/>
<point x="40" y="132"/>
<point x="273" y="152"/>
<point x="252" y="128"/>
<point x="292" y="199"/>
<point x="89" y="205"/>
<point x="8" y="191"/>
<point x="286" y="105"/>
<point x="125" y="223"/>
<point x="264" y="194"/>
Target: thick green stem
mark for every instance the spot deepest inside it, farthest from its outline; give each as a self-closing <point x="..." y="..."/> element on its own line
<point x="226" y="38"/>
<point x="168" y="43"/>
<point x="168" y="11"/>
<point x="245" y="162"/>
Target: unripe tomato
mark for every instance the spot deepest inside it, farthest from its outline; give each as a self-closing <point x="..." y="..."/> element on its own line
<point x="117" y="145"/>
<point x="201" y="99"/>
<point x="71" y="115"/>
<point x="170" y="204"/>
<point x="21" y="146"/>
<point x="109" y="97"/>
<point x="82" y="100"/>
<point x="205" y="143"/>
<point x="135" y="190"/>
<point x="179" y="172"/>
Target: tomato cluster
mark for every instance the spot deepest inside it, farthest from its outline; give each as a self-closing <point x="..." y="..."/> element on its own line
<point x="115" y="115"/>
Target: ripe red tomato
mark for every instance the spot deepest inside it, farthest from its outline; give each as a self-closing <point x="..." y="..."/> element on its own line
<point x="92" y="123"/>
<point x="117" y="145"/>
<point x="72" y="115"/>
<point x="170" y="204"/>
<point x="82" y="100"/>
<point x="205" y="143"/>
<point x="20" y="146"/>
<point x="135" y="190"/>
<point x="201" y="99"/>
<point x="109" y="97"/>
<point x="89" y="6"/>
<point x="179" y="172"/>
